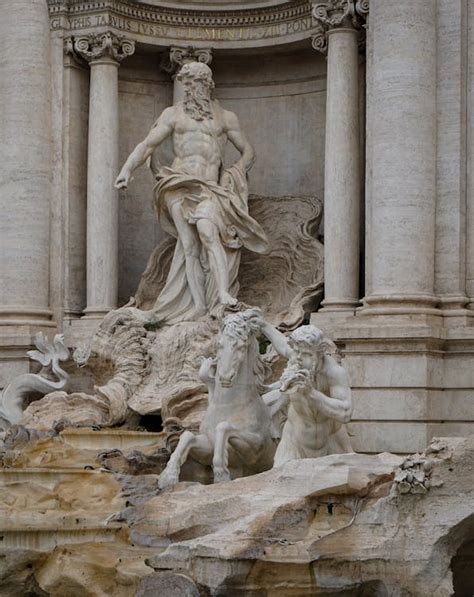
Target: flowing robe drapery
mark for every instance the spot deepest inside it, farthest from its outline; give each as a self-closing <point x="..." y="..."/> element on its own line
<point x="226" y="205"/>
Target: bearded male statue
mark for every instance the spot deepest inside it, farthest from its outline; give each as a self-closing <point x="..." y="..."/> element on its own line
<point x="201" y="204"/>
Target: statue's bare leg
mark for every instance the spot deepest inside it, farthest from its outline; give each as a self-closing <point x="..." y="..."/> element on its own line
<point x="191" y="247"/>
<point x="187" y="442"/>
<point x="342" y="441"/>
<point x="253" y="449"/>
<point x="209" y="236"/>
<point x="220" y="462"/>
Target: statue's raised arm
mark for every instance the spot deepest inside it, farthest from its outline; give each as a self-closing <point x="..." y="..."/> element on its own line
<point x="162" y="129"/>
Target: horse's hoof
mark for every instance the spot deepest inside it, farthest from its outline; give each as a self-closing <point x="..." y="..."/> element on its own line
<point x="221" y="476"/>
<point x="167" y="479"/>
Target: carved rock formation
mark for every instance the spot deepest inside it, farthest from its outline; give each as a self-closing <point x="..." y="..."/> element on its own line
<point x="335" y="525"/>
<point x="141" y="371"/>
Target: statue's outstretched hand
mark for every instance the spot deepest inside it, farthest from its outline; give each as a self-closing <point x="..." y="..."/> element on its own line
<point x="121" y="182"/>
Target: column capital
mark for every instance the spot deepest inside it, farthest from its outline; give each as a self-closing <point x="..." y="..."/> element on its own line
<point x="102" y="46"/>
<point x="338" y="14"/>
<point x="178" y="56"/>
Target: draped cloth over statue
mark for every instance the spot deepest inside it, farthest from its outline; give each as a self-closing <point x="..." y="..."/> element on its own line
<point x="226" y="205"/>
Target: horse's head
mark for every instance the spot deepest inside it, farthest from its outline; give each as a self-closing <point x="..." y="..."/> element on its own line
<point x="237" y="338"/>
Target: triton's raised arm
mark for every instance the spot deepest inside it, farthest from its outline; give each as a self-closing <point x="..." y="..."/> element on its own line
<point x="160" y="131"/>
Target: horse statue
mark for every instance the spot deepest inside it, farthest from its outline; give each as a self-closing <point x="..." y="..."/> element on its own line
<point x="235" y="432"/>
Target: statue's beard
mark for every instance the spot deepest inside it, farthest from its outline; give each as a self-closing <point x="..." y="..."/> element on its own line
<point x="197" y="103"/>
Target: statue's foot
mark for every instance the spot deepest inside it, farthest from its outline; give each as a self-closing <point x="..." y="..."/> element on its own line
<point x="227" y="300"/>
<point x="221" y="475"/>
<point x="168" y="478"/>
<point x="197" y="312"/>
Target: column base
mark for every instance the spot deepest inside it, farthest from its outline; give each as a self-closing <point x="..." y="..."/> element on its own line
<point x="14" y="316"/>
<point x="340" y="305"/>
<point x="399" y="304"/>
<point x="79" y="332"/>
<point x="97" y="312"/>
<point x="18" y="328"/>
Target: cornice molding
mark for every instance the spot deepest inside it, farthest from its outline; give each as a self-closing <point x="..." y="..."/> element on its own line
<point x="150" y="24"/>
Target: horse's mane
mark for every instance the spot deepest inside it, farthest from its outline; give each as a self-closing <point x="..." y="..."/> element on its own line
<point x="245" y="328"/>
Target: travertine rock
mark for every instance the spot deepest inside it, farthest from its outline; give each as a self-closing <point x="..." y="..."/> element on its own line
<point x="93" y="569"/>
<point x="335" y="525"/>
<point x="317" y="526"/>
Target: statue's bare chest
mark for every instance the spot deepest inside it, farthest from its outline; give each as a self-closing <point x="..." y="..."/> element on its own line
<point x="212" y="127"/>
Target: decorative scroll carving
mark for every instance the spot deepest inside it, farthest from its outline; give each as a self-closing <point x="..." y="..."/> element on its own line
<point x="319" y="40"/>
<point x="180" y="56"/>
<point x="103" y="45"/>
<point x="338" y="13"/>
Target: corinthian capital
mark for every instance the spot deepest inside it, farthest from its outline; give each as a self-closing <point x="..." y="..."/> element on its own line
<point x="171" y="62"/>
<point x="180" y="56"/>
<point x="103" y="45"/>
<point x="337" y="13"/>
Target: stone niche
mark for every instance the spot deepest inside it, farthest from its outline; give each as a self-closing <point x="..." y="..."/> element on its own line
<point x="264" y="88"/>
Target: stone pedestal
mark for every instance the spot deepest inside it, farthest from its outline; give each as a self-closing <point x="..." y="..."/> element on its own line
<point x="104" y="53"/>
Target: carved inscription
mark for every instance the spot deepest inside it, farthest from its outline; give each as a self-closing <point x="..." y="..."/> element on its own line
<point x="183" y="32"/>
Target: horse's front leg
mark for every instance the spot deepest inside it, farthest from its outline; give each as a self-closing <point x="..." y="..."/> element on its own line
<point x="220" y="461"/>
<point x="187" y="441"/>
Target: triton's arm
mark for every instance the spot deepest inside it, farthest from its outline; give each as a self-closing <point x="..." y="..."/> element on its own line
<point x="239" y="141"/>
<point x="280" y="343"/>
<point x="338" y="405"/>
<point x="160" y="131"/>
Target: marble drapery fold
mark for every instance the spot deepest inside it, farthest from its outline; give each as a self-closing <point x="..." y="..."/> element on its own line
<point x="224" y="204"/>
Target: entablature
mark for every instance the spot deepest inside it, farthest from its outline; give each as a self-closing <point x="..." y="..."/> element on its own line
<point x="163" y="26"/>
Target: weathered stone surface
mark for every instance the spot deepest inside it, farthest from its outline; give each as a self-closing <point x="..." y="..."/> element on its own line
<point x="324" y="526"/>
<point x="256" y="515"/>
<point x="169" y="584"/>
<point x="118" y="355"/>
<point x="173" y="387"/>
<point x="336" y="525"/>
<point x="92" y="569"/>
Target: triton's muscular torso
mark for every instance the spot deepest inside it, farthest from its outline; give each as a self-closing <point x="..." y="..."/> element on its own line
<point x="307" y="423"/>
<point x="199" y="144"/>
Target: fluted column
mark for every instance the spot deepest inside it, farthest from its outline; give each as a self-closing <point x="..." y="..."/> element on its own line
<point x="339" y="35"/>
<point x="180" y="56"/>
<point x="25" y="162"/>
<point x="104" y="53"/>
<point x="402" y="156"/>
